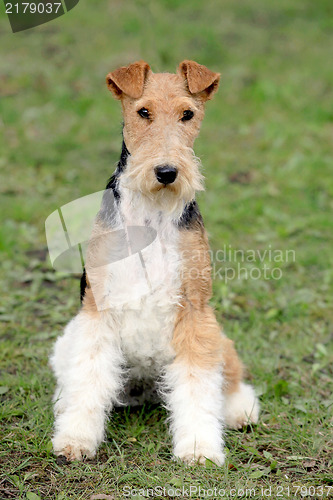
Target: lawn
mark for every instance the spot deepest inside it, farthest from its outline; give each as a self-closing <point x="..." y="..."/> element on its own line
<point x="266" y="146"/>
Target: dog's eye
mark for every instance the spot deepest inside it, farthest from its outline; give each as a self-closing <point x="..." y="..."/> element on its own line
<point x="144" y="113"/>
<point x="187" y="115"/>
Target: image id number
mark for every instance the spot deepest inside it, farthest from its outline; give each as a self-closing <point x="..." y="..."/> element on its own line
<point x="32" y="8"/>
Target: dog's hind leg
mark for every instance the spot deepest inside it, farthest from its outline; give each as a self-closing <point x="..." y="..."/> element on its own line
<point x="87" y="362"/>
<point x="241" y="406"/>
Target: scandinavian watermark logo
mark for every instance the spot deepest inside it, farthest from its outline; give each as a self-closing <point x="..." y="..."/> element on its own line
<point x="230" y="263"/>
<point x="24" y="15"/>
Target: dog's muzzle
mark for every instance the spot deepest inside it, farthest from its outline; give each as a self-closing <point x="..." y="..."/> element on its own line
<point x="166" y="174"/>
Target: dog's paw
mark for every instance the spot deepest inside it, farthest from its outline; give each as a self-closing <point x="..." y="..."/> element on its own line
<point x="72" y="449"/>
<point x="241" y="407"/>
<point x="200" y="456"/>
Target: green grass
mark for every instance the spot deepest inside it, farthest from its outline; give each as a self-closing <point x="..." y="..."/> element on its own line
<point x="266" y="148"/>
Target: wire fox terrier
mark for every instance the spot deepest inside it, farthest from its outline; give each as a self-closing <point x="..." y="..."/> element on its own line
<point x="164" y="336"/>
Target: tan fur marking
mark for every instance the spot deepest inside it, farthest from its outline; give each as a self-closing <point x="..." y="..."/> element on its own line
<point x="165" y="96"/>
<point x="199" y="78"/>
<point x="232" y="366"/>
<point x="128" y="80"/>
<point x="196" y="272"/>
<point x="197" y="335"/>
<point x="89" y="304"/>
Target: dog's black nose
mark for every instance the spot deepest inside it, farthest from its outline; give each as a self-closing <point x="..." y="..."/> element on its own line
<point x="166" y="174"/>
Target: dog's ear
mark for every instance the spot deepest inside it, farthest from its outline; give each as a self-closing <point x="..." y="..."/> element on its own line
<point x="200" y="80"/>
<point x="128" y="80"/>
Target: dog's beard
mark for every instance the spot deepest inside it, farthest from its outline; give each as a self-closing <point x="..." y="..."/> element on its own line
<point x="171" y="199"/>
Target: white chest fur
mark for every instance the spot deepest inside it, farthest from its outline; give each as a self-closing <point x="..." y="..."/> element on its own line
<point x="145" y="291"/>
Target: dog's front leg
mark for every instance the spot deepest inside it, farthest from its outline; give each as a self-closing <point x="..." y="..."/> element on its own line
<point x="193" y="384"/>
<point x="195" y="400"/>
<point x="87" y="363"/>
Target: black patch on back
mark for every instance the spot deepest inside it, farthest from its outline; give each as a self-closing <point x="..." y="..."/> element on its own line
<point x="83" y="284"/>
<point x="113" y="181"/>
<point x="113" y="184"/>
<point x="190" y="217"/>
<point x="123" y="158"/>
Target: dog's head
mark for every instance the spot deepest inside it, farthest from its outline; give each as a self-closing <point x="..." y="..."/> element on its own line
<point x="162" y="117"/>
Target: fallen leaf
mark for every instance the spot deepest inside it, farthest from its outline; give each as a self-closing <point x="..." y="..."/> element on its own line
<point x="32" y="496"/>
<point x="101" y="497"/>
<point x="241" y="177"/>
<point x="309" y="464"/>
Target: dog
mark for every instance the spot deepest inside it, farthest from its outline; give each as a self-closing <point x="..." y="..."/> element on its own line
<point x="145" y="319"/>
